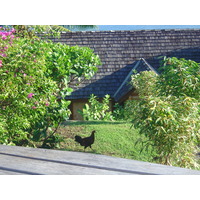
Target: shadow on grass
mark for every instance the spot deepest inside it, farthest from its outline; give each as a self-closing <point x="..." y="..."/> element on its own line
<point x="77" y="122"/>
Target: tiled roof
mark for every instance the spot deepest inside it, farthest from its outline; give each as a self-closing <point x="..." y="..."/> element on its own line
<point x="139" y="66"/>
<point x="119" y="50"/>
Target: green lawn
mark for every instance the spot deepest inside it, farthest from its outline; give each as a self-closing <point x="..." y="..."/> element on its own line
<point x="112" y="138"/>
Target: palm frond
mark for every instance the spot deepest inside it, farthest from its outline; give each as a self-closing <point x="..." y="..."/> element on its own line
<point x="79" y="27"/>
<point x="48" y="28"/>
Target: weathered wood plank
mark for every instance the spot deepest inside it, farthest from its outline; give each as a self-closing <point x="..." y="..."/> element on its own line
<point x="29" y="161"/>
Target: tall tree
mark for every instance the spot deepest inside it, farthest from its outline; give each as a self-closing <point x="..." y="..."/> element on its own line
<point x="79" y="27"/>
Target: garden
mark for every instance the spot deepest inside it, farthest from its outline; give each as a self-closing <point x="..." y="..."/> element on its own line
<point x="162" y="126"/>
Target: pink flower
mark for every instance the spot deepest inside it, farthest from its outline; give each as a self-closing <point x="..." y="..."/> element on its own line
<point x="3" y="54"/>
<point x="3" y="37"/>
<point x="46" y="104"/>
<point x="34" y="107"/>
<point x="12" y="30"/>
<point x="30" y="95"/>
<point x="1" y="63"/>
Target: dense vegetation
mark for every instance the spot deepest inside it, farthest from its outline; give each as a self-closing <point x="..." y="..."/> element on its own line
<point x="96" y="110"/>
<point x="35" y="75"/>
<point x="168" y="112"/>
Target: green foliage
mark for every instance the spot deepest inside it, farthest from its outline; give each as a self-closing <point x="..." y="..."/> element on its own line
<point x="97" y="110"/>
<point x="180" y="77"/>
<point x="66" y="63"/>
<point x="119" y="112"/>
<point x="30" y="31"/>
<point x="25" y="90"/>
<point x="168" y="111"/>
<point x="31" y="95"/>
<point x="79" y="27"/>
<point x="129" y="109"/>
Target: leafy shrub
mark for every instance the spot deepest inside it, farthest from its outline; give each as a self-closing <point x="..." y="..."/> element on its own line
<point x="64" y="64"/>
<point x="119" y="112"/>
<point x="168" y="111"/>
<point x="32" y="104"/>
<point x="180" y="77"/>
<point x="26" y="92"/>
<point x="129" y="109"/>
<point x="96" y="110"/>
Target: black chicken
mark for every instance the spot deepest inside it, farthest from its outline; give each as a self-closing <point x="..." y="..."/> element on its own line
<point x="87" y="141"/>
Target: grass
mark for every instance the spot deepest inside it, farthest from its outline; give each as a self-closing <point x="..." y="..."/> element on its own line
<point x="112" y="138"/>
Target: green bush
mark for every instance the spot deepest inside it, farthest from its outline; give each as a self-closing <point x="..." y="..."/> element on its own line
<point x="119" y="112"/>
<point x="168" y="111"/>
<point x="34" y="77"/>
<point x="25" y="91"/>
<point x="97" y="110"/>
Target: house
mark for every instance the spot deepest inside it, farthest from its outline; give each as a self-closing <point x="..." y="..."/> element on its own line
<point x="121" y="52"/>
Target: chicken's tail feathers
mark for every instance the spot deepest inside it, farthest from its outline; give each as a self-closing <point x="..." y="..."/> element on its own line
<point x="78" y="139"/>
